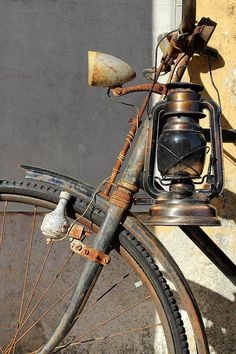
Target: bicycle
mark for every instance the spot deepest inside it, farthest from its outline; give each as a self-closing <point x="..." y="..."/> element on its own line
<point x="91" y="208"/>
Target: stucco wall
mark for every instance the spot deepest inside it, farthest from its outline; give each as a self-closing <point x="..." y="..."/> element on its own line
<point x="214" y="293"/>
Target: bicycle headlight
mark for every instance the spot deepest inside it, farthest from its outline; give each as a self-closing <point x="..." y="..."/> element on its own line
<point x="108" y="71"/>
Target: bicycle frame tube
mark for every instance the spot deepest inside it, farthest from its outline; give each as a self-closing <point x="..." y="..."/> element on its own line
<point x="102" y="241"/>
<point x="87" y="280"/>
<point x="136" y="162"/>
<point x="129" y="180"/>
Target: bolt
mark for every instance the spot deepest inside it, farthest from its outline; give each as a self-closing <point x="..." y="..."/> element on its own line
<point x="86" y="252"/>
<point x="79" y="248"/>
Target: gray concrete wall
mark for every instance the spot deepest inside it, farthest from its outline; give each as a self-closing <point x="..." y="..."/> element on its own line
<point x="49" y="115"/>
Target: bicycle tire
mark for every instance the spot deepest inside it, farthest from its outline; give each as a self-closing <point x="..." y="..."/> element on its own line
<point x="45" y="195"/>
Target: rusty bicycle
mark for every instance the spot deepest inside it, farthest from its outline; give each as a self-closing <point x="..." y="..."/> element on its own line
<point x="91" y="233"/>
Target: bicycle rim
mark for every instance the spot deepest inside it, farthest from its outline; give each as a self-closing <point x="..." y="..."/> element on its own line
<point x="129" y="285"/>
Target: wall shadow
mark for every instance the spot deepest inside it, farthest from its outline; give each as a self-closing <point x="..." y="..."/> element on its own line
<point x="223" y="203"/>
<point x="200" y="65"/>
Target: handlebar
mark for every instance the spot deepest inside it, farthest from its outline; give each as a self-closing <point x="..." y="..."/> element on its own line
<point x="179" y="46"/>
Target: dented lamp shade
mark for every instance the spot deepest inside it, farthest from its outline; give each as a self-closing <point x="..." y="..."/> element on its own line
<point x="108" y="71"/>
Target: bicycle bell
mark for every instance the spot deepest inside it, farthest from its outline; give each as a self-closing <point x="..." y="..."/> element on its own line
<point x="177" y="145"/>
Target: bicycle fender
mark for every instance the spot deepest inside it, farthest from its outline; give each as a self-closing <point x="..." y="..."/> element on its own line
<point x="63" y="181"/>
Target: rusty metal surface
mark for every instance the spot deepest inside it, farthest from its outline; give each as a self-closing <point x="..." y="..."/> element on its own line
<point x="65" y="182"/>
<point x="102" y="241"/>
<point x="156" y="88"/>
<point x="180" y="68"/>
<point x="121" y="197"/>
<point x="136" y="162"/>
<point x="77" y="231"/>
<point x="108" y="71"/>
<point x="183" y="44"/>
<point x="87" y="280"/>
<point x="89" y="252"/>
<point x="130" y="137"/>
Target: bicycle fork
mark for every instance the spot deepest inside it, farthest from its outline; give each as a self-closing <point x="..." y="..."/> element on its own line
<point x="120" y="202"/>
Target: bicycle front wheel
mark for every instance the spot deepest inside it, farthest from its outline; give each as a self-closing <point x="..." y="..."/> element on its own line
<point x="130" y="310"/>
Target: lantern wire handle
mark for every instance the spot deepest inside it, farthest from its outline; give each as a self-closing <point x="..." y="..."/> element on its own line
<point x="212" y="80"/>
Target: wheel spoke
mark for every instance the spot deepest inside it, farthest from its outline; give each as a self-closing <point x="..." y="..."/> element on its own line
<point x="102" y="324"/>
<point x="88" y="308"/>
<point x="27" y="266"/>
<point x="25" y="278"/>
<point x="104" y="294"/>
<point x="23" y="317"/>
<point x="47" y="290"/>
<point x="36" y="283"/>
<point x="45" y="313"/>
<point x="10" y="346"/>
<point x="117" y="334"/>
<point x="44" y="278"/>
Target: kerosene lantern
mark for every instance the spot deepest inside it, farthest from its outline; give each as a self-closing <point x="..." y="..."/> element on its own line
<point x="177" y="146"/>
